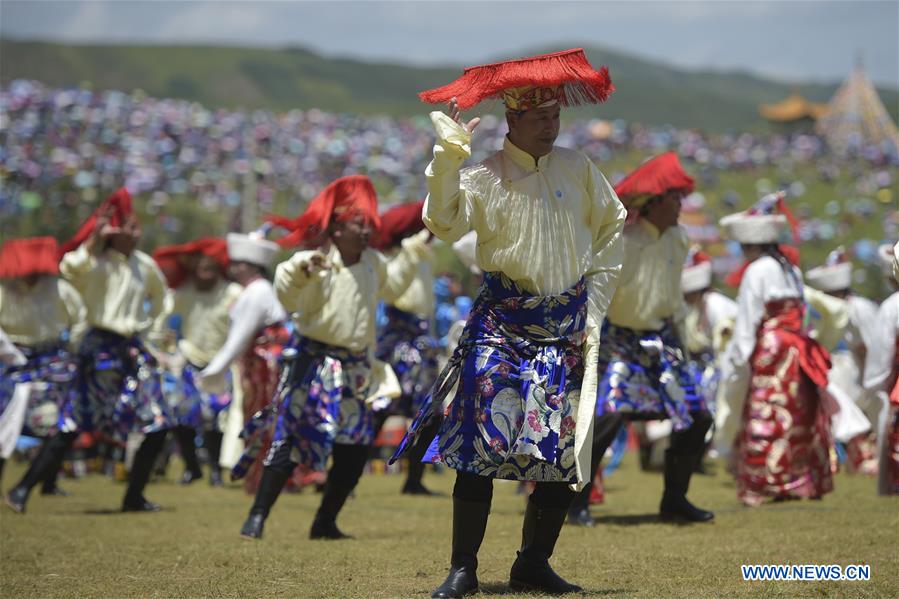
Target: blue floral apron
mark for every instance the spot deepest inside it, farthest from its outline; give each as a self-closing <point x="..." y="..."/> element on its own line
<point x="519" y="368"/>
<point x="320" y="401"/>
<point x="644" y="374"/>
<point x="54" y="369"/>
<point x="121" y="386"/>
<point x="406" y="344"/>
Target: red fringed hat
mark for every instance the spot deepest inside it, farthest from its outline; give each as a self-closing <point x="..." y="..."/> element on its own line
<point x="31" y="256"/>
<point x="397" y="223"/>
<point x="122" y="209"/>
<point x="173" y="260"/>
<point x="653" y="178"/>
<point x="342" y="200"/>
<point x="565" y="77"/>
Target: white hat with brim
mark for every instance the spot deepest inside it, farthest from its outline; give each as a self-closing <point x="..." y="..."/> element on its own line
<point x="252" y="249"/>
<point x="696" y="278"/>
<point x="754" y="229"/>
<point x="830" y="278"/>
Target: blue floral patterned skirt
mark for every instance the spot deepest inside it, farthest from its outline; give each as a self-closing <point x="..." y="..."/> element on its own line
<point x="54" y="396"/>
<point x="121" y="386"/>
<point x="320" y="401"/>
<point x="195" y="408"/>
<point x="644" y="373"/>
<point x="406" y="344"/>
<point x="519" y="368"/>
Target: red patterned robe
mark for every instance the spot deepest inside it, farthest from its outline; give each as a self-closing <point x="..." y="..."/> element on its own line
<point x="784" y="448"/>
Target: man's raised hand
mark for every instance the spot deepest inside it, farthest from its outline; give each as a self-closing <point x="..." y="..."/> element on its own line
<point x="456" y="115"/>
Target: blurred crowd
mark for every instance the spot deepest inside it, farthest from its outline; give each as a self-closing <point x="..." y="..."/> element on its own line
<point x="60" y="148"/>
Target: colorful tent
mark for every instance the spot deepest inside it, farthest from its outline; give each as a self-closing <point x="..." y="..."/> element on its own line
<point x="856" y="117"/>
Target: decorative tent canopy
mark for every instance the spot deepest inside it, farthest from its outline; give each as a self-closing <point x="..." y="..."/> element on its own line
<point x="856" y="116"/>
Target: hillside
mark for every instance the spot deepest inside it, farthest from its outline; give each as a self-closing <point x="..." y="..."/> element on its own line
<point x="282" y="79"/>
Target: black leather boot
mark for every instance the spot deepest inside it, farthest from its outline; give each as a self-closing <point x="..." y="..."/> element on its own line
<point x="187" y="443"/>
<point x="469" y="525"/>
<point x="144" y="462"/>
<point x="213" y="441"/>
<point x="413" y="484"/>
<point x="531" y="570"/>
<point x="324" y="526"/>
<point x="579" y="511"/>
<point x="270" y="485"/>
<point x="674" y="506"/>
<point x="48" y="459"/>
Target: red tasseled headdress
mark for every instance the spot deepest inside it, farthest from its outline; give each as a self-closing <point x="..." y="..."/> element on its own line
<point x="654" y="177"/>
<point x="397" y="223"/>
<point x="790" y="252"/>
<point x="342" y="200"/>
<point x="122" y="209"/>
<point x="581" y="84"/>
<point x="30" y="256"/>
<point x="172" y="259"/>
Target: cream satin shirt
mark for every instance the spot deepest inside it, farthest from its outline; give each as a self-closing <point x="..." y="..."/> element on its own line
<point x="122" y="294"/>
<point x="38" y="315"/>
<point x="205" y="319"/>
<point x="649" y="288"/>
<point x="543" y="223"/>
<point x="337" y="305"/>
<point x="419" y="298"/>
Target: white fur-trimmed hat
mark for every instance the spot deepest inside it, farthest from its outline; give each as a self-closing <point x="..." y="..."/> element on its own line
<point x="696" y="278"/>
<point x="759" y="224"/>
<point x="697" y="272"/>
<point x="834" y="275"/>
<point x="252" y="248"/>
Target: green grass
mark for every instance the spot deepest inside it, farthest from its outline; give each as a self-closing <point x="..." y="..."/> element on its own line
<point x="66" y="547"/>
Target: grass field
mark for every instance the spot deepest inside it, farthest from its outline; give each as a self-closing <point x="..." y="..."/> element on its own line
<point x="81" y="547"/>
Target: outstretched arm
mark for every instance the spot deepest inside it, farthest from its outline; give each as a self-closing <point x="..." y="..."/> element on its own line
<point x="446" y="208"/>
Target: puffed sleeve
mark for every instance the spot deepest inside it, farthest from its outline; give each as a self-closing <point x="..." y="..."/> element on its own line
<point x="159" y="299"/>
<point x="76" y="263"/>
<point x="399" y="272"/>
<point x="882" y="351"/>
<point x="296" y="288"/>
<point x="73" y="308"/>
<point x="446" y="209"/>
<point x="607" y="218"/>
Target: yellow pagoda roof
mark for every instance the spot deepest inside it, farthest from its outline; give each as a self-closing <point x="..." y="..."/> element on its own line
<point x="793" y="108"/>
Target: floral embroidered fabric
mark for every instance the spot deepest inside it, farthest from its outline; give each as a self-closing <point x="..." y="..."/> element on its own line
<point x="519" y="369"/>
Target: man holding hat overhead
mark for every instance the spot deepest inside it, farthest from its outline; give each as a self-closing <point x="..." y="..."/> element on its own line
<point x="201" y="299"/>
<point x="124" y="293"/>
<point x="643" y="368"/>
<point x="882" y="375"/>
<point x="332" y="288"/>
<point x="255" y="338"/>
<point x="43" y="316"/>
<point x="775" y="368"/>
<point x="548" y="226"/>
<point x="858" y="408"/>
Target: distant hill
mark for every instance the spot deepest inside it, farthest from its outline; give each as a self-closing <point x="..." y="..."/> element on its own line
<point x="282" y="79"/>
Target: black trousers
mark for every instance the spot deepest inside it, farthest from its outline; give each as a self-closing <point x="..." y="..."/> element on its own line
<point x="348" y="462"/>
<point x="479" y="489"/>
<point x="690" y="441"/>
